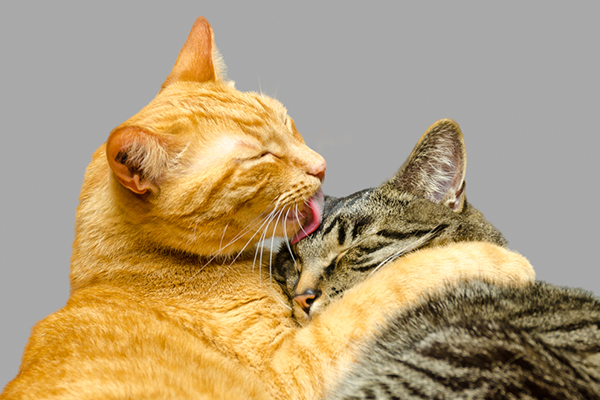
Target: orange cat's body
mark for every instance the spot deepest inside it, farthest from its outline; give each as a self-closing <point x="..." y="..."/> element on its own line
<point x="168" y="299"/>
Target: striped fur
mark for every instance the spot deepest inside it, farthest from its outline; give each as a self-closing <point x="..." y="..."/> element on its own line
<point x="479" y="341"/>
<point x="471" y="340"/>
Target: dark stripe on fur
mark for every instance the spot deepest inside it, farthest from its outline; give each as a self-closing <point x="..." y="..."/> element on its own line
<point x="341" y="238"/>
<point x="364" y="268"/>
<point x="395" y="235"/>
<point x="486" y="342"/>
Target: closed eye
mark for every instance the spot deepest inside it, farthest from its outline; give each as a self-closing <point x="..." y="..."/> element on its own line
<point x="263" y="155"/>
<point x="267" y="153"/>
<point x="342" y="253"/>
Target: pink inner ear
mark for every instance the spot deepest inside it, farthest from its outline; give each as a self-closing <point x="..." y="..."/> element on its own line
<point x="313" y="219"/>
<point x="456" y="204"/>
<point x="436" y="167"/>
<point x="448" y="175"/>
<point x="118" y="141"/>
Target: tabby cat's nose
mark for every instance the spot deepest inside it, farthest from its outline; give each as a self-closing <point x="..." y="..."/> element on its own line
<point x="306" y="299"/>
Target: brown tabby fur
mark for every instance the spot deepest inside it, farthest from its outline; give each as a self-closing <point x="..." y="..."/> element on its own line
<point x="167" y="300"/>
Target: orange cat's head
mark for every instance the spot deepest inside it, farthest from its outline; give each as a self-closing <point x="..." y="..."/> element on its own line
<point x="208" y="169"/>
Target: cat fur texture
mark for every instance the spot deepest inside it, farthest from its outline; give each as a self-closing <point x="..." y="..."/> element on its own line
<point x="474" y="340"/>
<point x="168" y="297"/>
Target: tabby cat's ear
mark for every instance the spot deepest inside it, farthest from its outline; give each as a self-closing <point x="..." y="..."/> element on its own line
<point x="137" y="158"/>
<point x="435" y="169"/>
<point x="198" y="60"/>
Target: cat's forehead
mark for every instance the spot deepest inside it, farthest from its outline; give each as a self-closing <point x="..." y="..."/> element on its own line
<point x="183" y="105"/>
<point x="359" y="206"/>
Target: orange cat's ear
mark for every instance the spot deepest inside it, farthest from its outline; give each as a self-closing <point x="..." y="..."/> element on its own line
<point x="435" y="170"/>
<point x="136" y="157"/>
<point x="198" y="59"/>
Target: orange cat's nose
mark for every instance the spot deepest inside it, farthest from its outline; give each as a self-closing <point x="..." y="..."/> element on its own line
<point x="306" y="299"/>
<point x="318" y="169"/>
<point x="321" y="175"/>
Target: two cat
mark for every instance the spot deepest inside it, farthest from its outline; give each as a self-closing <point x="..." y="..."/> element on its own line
<point x="168" y="297"/>
<point x="474" y="340"/>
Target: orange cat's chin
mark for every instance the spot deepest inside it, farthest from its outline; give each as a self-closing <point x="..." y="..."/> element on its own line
<point x="311" y="215"/>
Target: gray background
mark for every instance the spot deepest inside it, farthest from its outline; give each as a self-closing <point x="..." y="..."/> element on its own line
<point x="362" y="81"/>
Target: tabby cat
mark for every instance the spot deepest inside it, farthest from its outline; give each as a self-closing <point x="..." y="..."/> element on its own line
<point x="474" y="340"/>
<point x="169" y="299"/>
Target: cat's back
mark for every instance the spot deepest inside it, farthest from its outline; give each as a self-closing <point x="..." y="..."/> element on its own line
<point x="483" y="341"/>
<point x="146" y="347"/>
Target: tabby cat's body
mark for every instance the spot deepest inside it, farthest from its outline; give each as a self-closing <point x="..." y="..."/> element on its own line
<point x="480" y="341"/>
<point x="168" y="297"/>
<point x="475" y="340"/>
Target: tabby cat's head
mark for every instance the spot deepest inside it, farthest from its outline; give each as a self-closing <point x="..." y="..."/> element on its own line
<point x="422" y="205"/>
<point x="207" y="169"/>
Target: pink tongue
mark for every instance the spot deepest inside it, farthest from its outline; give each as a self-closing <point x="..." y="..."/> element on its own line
<point x="313" y="219"/>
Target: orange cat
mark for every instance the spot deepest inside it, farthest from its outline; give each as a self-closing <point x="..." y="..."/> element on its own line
<point x="168" y="299"/>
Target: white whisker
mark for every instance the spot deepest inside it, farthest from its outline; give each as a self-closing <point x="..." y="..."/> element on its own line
<point x="245" y="230"/>
<point x="220" y="277"/>
<point x="262" y="242"/>
<point x="299" y="223"/>
<point x="260" y="225"/>
<point x="222" y="236"/>
<point x="268" y="219"/>
<point x="285" y="235"/>
<point x="248" y="227"/>
<point x="272" y="240"/>
<point x="232" y="241"/>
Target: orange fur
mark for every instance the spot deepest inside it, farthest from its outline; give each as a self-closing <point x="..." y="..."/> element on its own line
<point x="167" y="299"/>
